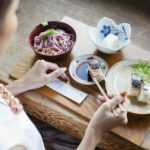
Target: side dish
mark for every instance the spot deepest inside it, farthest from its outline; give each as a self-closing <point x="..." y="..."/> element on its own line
<point x="140" y="82"/>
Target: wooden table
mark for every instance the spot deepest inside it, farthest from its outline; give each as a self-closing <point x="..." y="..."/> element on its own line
<point x="61" y="113"/>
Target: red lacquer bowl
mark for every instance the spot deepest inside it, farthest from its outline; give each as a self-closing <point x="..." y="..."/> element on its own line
<point x="51" y="24"/>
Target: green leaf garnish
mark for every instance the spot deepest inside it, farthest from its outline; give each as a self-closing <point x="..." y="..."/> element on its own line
<point x="51" y="32"/>
<point x="44" y="35"/>
<point x="143" y="70"/>
<point x="48" y="33"/>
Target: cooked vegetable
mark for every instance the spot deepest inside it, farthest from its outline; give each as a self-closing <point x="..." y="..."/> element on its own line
<point x="143" y="70"/>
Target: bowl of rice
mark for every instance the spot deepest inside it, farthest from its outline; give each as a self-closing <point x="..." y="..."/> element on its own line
<point x="52" y="40"/>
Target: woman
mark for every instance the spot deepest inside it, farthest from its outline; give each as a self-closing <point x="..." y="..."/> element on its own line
<point x="17" y="132"/>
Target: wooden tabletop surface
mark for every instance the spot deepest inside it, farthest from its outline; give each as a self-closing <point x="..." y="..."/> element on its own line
<point x="47" y="104"/>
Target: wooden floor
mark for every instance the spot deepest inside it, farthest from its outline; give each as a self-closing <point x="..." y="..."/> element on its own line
<point x="33" y="12"/>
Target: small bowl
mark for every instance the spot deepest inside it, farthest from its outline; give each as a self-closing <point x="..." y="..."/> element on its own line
<point x="48" y="25"/>
<point x="106" y="26"/>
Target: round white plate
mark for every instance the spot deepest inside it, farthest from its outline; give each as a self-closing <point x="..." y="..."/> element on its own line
<point x="84" y="59"/>
<point x="119" y="78"/>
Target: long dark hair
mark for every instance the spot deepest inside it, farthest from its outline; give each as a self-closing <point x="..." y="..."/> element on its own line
<point x="4" y="6"/>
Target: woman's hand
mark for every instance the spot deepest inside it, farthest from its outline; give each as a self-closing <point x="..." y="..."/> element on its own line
<point x="40" y="74"/>
<point x="104" y="120"/>
<point x="43" y="73"/>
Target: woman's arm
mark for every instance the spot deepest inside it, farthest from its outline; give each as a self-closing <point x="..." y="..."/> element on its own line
<point x="37" y="77"/>
<point x="103" y="121"/>
<point x="17" y="87"/>
<point x="90" y="140"/>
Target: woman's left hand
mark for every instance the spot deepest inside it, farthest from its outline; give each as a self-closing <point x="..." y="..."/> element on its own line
<point x="40" y="74"/>
<point x="43" y="73"/>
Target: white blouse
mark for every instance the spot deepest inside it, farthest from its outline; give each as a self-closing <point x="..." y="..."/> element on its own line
<point x="17" y="129"/>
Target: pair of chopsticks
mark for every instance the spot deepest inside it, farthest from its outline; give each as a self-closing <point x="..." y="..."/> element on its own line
<point x="106" y="81"/>
<point x="103" y="92"/>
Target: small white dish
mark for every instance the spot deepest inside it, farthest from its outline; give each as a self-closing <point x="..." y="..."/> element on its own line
<point x="105" y="27"/>
<point x="78" y="68"/>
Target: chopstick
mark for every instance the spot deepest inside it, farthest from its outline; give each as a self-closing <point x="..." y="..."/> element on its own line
<point x="106" y="81"/>
<point x="103" y="93"/>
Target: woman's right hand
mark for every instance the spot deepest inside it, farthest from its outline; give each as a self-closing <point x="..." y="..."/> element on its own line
<point x="104" y="119"/>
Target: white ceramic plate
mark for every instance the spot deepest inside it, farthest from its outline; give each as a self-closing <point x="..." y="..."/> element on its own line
<point x="83" y="60"/>
<point x="119" y="78"/>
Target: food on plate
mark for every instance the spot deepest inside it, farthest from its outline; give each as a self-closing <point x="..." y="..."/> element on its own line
<point x="135" y="85"/>
<point x="53" y="42"/>
<point x="111" y="41"/>
<point x="143" y="70"/>
<point x="95" y="69"/>
<point x="140" y="82"/>
<point x="144" y="94"/>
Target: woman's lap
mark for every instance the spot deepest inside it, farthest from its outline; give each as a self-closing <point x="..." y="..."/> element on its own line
<point x="55" y="139"/>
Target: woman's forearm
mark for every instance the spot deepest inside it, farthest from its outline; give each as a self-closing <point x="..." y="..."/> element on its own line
<point x="90" y="140"/>
<point x="17" y="87"/>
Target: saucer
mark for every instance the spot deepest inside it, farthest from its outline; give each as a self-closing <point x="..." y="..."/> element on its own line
<point x="78" y="68"/>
